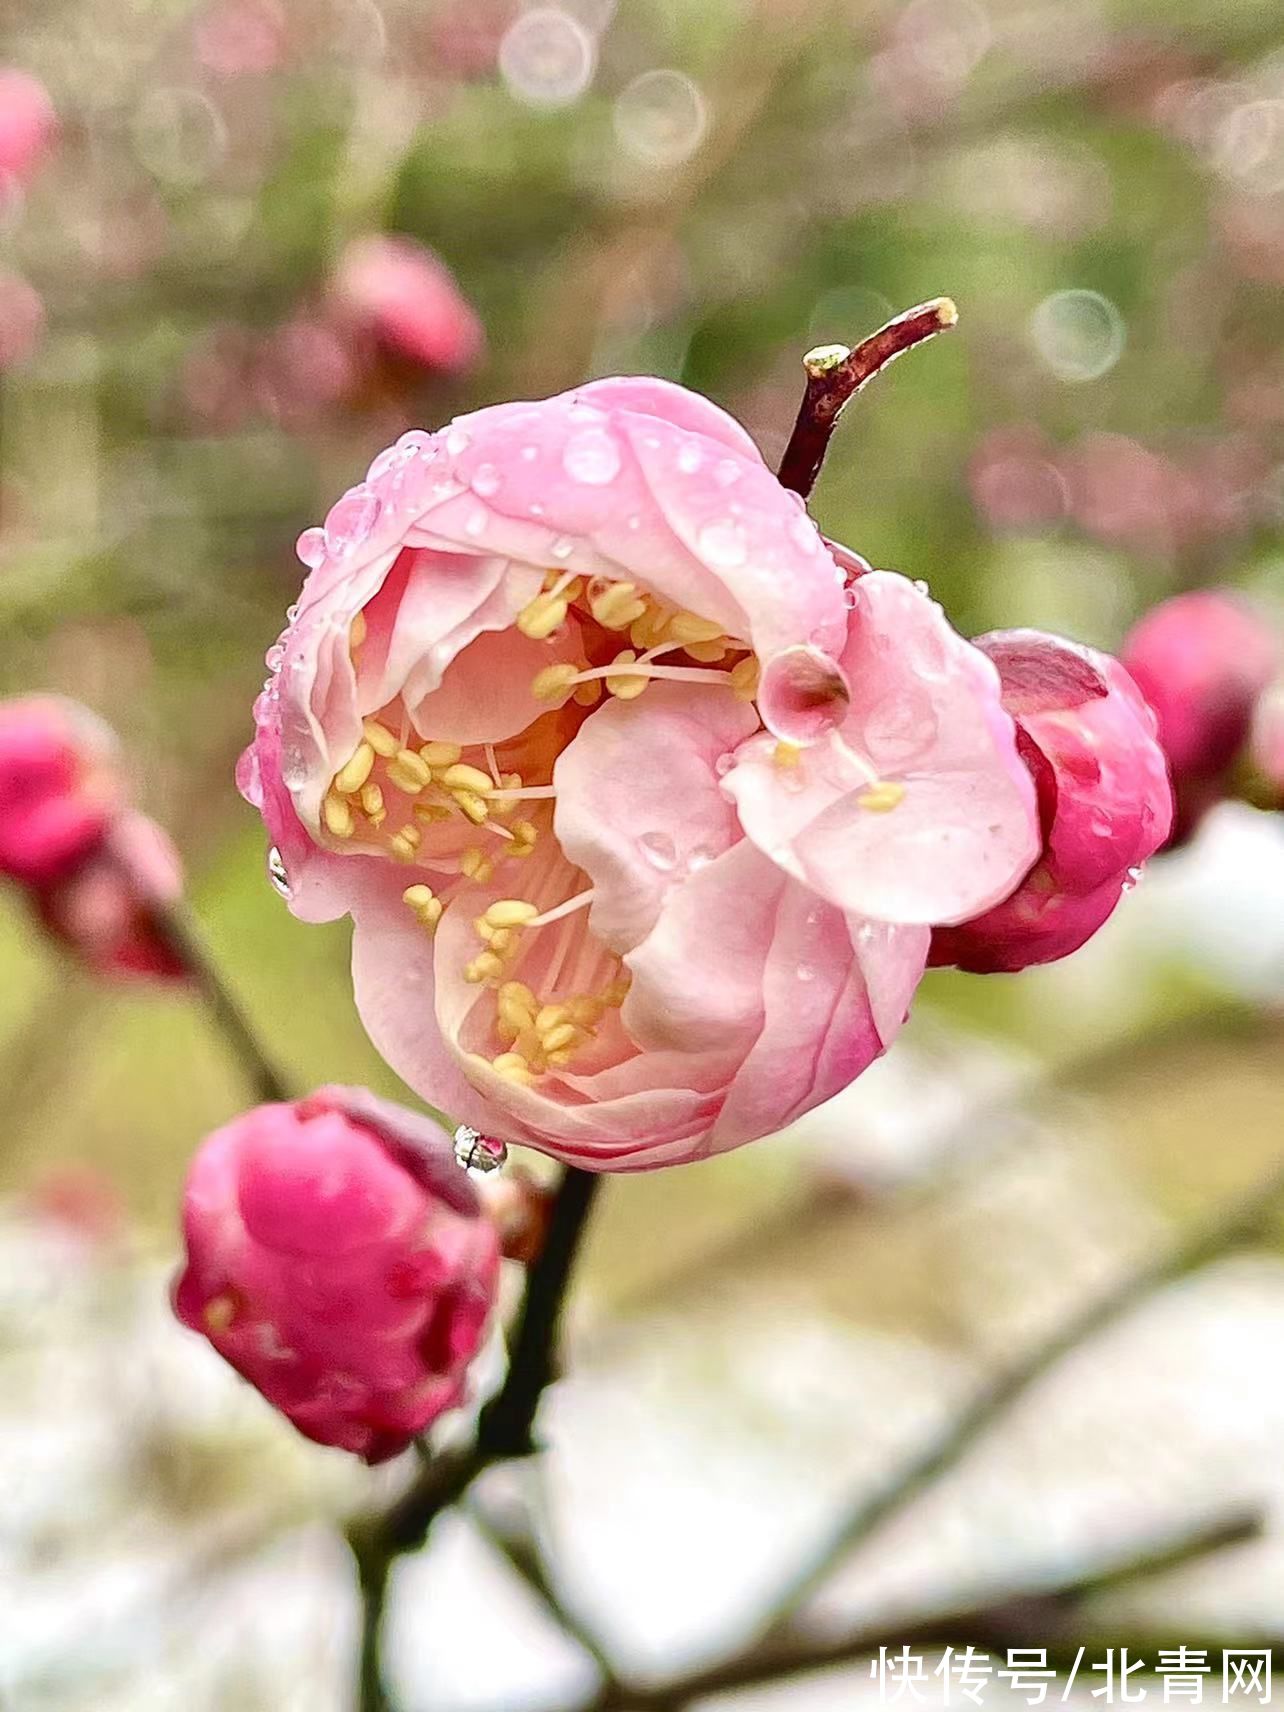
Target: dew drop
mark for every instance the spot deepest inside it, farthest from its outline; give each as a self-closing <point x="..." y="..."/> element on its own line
<point x="591" y="458"/>
<point x="699" y="858"/>
<point x="659" y="850"/>
<point x="921" y="586"/>
<point x="457" y="442"/>
<point x="727" y="473"/>
<point x="276" y="872"/>
<point x="562" y="548"/>
<point x="387" y="460"/>
<point x="529" y="454"/>
<point x="415" y="442"/>
<point x="274" y="659"/>
<point x="535" y="508"/>
<point x="249" y="776"/>
<point x="350" y="520"/>
<point x="292" y="612"/>
<point x="805" y="972"/>
<point x="475" y="522"/>
<point x="634" y="522"/>
<point x="725" y="762"/>
<point x="723" y="545"/>
<point x="310" y="548"/>
<point x="690" y="457"/>
<point x="486" y="481"/>
<point x="851" y="600"/>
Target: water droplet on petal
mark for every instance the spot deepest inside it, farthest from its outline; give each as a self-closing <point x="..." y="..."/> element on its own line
<point x="850" y="598"/>
<point x="805" y="972"/>
<point x="416" y="441"/>
<point x="725" y="762"/>
<point x="351" y="520"/>
<point x="535" y="508"/>
<point x="921" y="586"/>
<point x="249" y="776"/>
<point x="311" y="547"/>
<point x="292" y="612"/>
<point x="699" y="858"/>
<point x="529" y="454"/>
<point x="727" y="473"/>
<point x="633" y="522"/>
<point x="659" y="850"/>
<point x="723" y="545"/>
<point x="591" y="458"/>
<point x="457" y="442"/>
<point x="387" y="460"/>
<point x="274" y="659"/>
<point x="562" y="548"/>
<point x="690" y="457"/>
<point x="476" y="521"/>
<point x="486" y="481"/>
<point x="276" y="872"/>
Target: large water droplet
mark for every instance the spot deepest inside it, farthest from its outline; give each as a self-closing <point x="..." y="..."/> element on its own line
<point x="416" y="442"/>
<point x="276" y="872"/>
<point x="486" y="481"/>
<point x="310" y="548"/>
<point x="659" y="850"/>
<point x="529" y="454"/>
<point x="274" y="659"/>
<point x="475" y="522"/>
<point x="690" y="457"/>
<point x="562" y="548"/>
<point x="249" y="777"/>
<point x="457" y="442"/>
<point x="805" y="972"/>
<point x="387" y="460"/>
<point x="291" y="612"/>
<point x="591" y="458"/>
<point x="725" y="762"/>
<point x="700" y="857"/>
<point x="723" y="545"/>
<point x="351" y="520"/>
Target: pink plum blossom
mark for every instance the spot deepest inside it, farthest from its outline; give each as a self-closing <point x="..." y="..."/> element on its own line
<point x="400" y="293"/>
<point x="28" y="124"/>
<point x="59" y="787"/>
<point x="106" y="911"/>
<point x="1201" y="660"/>
<point x="338" y="1259"/>
<point x="1105" y="803"/>
<point x="643" y="801"/>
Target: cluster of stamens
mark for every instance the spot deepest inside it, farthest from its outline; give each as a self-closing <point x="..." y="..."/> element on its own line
<point x="540" y="1036"/>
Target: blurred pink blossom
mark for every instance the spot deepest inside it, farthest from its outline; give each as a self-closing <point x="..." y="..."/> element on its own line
<point x="59" y="787"/>
<point x="105" y="910"/>
<point x="396" y="290"/>
<point x="644" y="931"/>
<point x="1202" y="660"/>
<point x="28" y="123"/>
<point x="1267" y="738"/>
<point x="236" y="38"/>
<point x="1105" y="803"/>
<point x="1015" y="481"/>
<point x="338" y="1259"/>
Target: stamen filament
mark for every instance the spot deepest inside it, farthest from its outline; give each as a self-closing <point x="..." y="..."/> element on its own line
<point x="580" y="901"/>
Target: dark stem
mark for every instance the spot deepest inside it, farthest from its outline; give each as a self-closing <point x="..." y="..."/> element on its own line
<point x="504" y="1428"/>
<point x="835" y="375"/>
<point x="177" y="930"/>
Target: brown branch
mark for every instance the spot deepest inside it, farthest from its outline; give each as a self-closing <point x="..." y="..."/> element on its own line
<point x="835" y="375"/>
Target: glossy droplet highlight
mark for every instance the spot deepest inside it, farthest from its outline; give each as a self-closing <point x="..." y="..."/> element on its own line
<point x="350" y="521"/>
<point x="276" y="872"/>
<point x="486" y="481"/>
<point x="723" y="545"/>
<point x="310" y="547"/>
<point x="659" y="850"/>
<point x="591" y="458"/>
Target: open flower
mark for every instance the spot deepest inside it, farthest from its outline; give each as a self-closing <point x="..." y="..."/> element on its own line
<point x="1105" y="803"/>
<point x="337" y="1257"/>
<point x="642" y="801"/>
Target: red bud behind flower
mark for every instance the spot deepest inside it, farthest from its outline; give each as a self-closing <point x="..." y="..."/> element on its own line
<point x="338" y="1259"/>
<point x="1201" y="660"/>
<point x="59" y="787"/>
<point x="1105" y="804"/>
<point x="106" y="910"/>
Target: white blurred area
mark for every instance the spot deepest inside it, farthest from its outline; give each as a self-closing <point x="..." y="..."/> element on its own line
<point x="166" y="1543"/>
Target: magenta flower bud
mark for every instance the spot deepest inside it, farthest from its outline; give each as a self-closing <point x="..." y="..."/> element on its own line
<point x="1201" y="660"/>
<point x="405" y="297"/>
<point x="58" y="787"/>
<point x="1105" y="804"/>
<point x="107" y="910"/>
<point x="27" y="123"/>
<point x="338" y="1258"/>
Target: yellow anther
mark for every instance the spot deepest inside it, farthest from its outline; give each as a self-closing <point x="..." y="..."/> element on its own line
<point x="423" y="904"/>
<point x="472" y="805"/>
<point x="404" y="845"/>
<point x="617" y="606"/>
<point x="483" y="968"/>
<point x="503" y="940"/>
<point x="786" y="755"/>
<point x="437" y="754"/>
<point x="690" y="627"/>
<point x="219" y="1312"/>
<point x="587" y="694"/>
<point x="409" y="772"/>
<point x="520" y="994"/>
<point x="554" y="682"/>
<point x="354" y="773"/>
<point x="430" y="813"/>
<point x="707" y="653"/>
<point x="617" y="992"/>
<point x="372" y="799"/>
<point x="648" y="630"/>
<point x="560" y="1059"/>
<point x="512" y="1067"/>
<point x="501" y="808"/>
<point x="525" y="834"/>
<point x="462" y="777"/>
<point x="337" y="815"/>
<point x="380" y="738"/>
<point x="744" y="677"/>
<point x="357" y="630"/>
<point x="513" y="1016"/>
<point x="551" y="1016"/>
<point x="511" y="912"/>
<point x="483" y="929"/>
<point x="541" y="616"/>
<point x="883" y="797"/>
<point x="586" y="1011"/>
<point x="556" y="1038"/>
<point x="475" y="864"/>
<point x="628" y="686"/>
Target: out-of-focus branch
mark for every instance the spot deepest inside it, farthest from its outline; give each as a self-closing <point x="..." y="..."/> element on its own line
<point x="836" y="374"/>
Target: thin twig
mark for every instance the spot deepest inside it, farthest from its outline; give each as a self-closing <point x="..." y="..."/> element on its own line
<point x="835" y="375"/>
<point x="504" y="1429"/>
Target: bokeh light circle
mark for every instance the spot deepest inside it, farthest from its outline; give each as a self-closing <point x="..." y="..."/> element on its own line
<point x="547" y="58"/>
<point x="1079" y="335"/>
<point x="661" y="118"/>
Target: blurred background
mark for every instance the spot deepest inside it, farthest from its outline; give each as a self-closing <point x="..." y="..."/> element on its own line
<point x="202" y="343"/>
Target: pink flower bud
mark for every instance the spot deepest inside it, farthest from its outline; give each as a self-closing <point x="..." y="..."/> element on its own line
<point x="1105" y="804"/>
<point x="27" y="123"/>
<point x="104" y="911"/>
<point x="58" y="787"/>
<point x="401" y="293"/>
<point x="1201" y="660"/>
<point x="338" y="1259"/>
